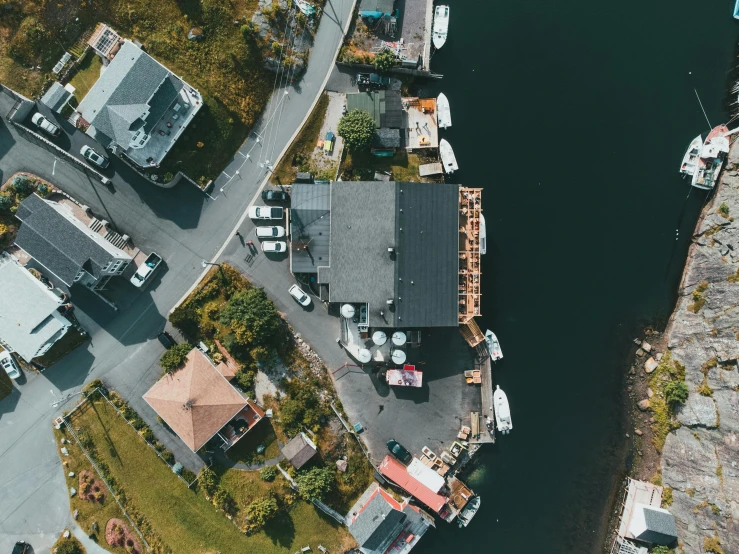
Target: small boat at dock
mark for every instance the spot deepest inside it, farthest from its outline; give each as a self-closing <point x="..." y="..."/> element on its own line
<point x="441" y="26"/>
<point x="469" y="511"/>
<point x="502" y="411"/>
<point x="483" y="235"/>
<point x="496" y="353"/>
<point x="448" y="159"/>
<point x="712" y="156"/>
<point x="443" y="113"/>
<point x="690" y="159"/>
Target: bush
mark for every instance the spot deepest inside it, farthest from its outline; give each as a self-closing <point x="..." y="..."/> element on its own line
<point x="268" y="473"/>
<point x="207" y="481"/>
<point x="223" y="501"/>
<point x="261" y="511"/>
<point x="385" y="59"/>
<point x="68" y="546"/>
<point x="6" y="203"/>
<point x="168" y="457"/>
<point x="676" y="392"/>
<point x="175" y="356"/>
<point x="22" y="186"/>
<point x="315" y="483"/>
<point x="247" y="31"/>
<point x="245" y="379"/>
<point x="723" y="209"/>
<point x="357" y="129"/>
<point x="252" y="317"/>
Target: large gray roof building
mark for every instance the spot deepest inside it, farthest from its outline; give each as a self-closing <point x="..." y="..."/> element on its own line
<point x="138" y="106"/>
<point x="395" y="246"/>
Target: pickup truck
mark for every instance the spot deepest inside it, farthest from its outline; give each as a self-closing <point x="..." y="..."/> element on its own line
<point x="266" y="212"/>
<point x="146" y="270"/>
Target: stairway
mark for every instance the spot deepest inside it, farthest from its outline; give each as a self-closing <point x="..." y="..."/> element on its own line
<point x="119" y="241"/>
<point x="95" y="225"/>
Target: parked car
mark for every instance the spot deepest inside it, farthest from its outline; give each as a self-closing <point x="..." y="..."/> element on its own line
<point x="265" y="212"/>
<point x="397" y="450"/>
<point x="373" y="80"/>
<point x="146" y="270"/>
<point x="274" y="231"/>
<point x="45" y="125"/>
<point x="9" y="365"/>
<point x="93" y="157"/>
<point x="297" y="293"/>
<point x="274" y="246"/>
<point x="166" y="339"/>
<point x="275" y="196"/>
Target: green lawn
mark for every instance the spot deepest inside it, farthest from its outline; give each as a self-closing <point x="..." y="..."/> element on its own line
<point x="87" y="73"/>
<point x="245" y="450"/>
<point x="182" y="520"/>
<point x="361" y="166"/>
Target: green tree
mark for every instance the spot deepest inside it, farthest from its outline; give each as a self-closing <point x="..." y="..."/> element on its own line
<point x="385" y="59"/>
<point x="268" y="473"/>
<point x="222" y="499"/>
<point x="68" y="546"/>
<point x="261" y="511"/>
<point x="175" y="356"/>
<point x="315" y="483"/>
<point x="22" y="186"/>
<point x="357" y="129"/>
<point x="676" y="392"/>
<point x="207" y="481"/>
<point x="6" y="202"/>
<point x="245" y="379"/>
<point x="252" y="317"/>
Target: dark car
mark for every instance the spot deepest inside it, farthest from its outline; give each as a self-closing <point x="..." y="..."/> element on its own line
<point x="397" y="450"/>
<point x="274" y="196"/>
<point x="166" y="339"/>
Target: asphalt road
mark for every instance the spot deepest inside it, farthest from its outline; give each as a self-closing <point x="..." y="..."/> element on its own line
<point x="185" y="226"/>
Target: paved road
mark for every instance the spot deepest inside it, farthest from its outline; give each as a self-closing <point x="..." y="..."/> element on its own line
<point x="185" y="226"/>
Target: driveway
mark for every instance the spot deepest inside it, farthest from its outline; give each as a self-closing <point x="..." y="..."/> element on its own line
<point x="182" y="224"/>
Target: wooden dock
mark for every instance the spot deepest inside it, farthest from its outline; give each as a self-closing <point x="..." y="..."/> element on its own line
<point x="484" y="364"/>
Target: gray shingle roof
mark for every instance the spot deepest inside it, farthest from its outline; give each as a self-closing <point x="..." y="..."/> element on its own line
<point x="310" y="222"/>
<point x="377" y="525"/>
<point x="421" y="275"/>
<point x="384" y="6"/>
<point x="56" y="96"/>
<point x="299" y="450"/>
<point x="385" y="106"/>
<point x="661" y="527"/>
<point x="392" y="115"/>
<point x="57" y="243"/>
<point x="386" y="138"/>
<point x="132" y="85"/>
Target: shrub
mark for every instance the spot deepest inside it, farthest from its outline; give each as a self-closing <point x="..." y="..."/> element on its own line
<point x="68" y="546"/>
<point x="705" y="390"/>
<point x="22" y="186"/>
<point x="6" y="203"/>
<point x="268" y="473"/>
<point x="676" y="392"/>
<point x="712" y="544"/>
<point x="253" y="318"/>
<point x="723" y="209"/>
<point x="245" y="379"/>
<point x="175" y="356"/>
<point x="662" y="550"/>
<point x="247" y="31"/>
<point x="148" y="434"/>
<point x="357" y="129"/>
<point x="315" y="483"/>
<point x="666" y="497"/>
<point x="385" y="59"/>
<point x="168" y="457"/>
<point x="261" y="511"/>
<point x="207" y="481"/>
<point x="222" y="500"/>
<point x="43" y="190"/>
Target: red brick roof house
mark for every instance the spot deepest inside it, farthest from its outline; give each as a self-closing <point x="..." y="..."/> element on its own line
<point x="392" y="469"/>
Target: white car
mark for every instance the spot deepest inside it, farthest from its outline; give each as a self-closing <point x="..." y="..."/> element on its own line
<point x="265" y="212"/>
<point x="274" y="246"/>
<point x="275" y="231"/>
<point x="93" y="157"/>
<point x="45" y="125"/>
<point x="9" y="365"/>
<point x="297" y="293"/>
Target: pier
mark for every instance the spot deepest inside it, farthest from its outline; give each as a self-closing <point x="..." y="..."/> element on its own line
<point x="484" y="364"/>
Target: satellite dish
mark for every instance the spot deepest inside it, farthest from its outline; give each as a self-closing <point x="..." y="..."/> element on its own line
<point x="399" y="338"/>
<point x="347" y="310"/>
<point x="379" y="338"/>
<point x="398" y="357"/>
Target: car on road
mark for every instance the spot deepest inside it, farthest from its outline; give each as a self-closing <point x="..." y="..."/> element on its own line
<point x="274" y="231"/>
<point x="166" y="339"/>
<point x="397" y="450"/>
<point x="265" y="212"/>
<point x="274" y="246"/>
<point x="275" y="196"/>
<point x="45" y="125"/>
<point x="93" y="157"/>
<point x="297" y="293"/>
<point x="9" y="365"/>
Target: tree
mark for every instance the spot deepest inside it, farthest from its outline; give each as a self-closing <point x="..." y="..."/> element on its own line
<point x="252" y="316"/>
<point x="175" y="356"/>
<point x="68" y="546"/>
<point x="6" y="202"/>
<point x="268" y="473"/>
<point x="207" y="481"/>
<point x="22" y="186"/>
<point x="245" y="379"/>
<point x="261" y="511"/>
<point x="676" y="392"/>
<point x="315" y="483"/>
<point x="222" y="499"/>
<point x="385" y="59"/>
<point x="357" y="129"/>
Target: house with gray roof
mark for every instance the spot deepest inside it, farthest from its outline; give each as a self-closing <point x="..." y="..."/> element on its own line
<point x="380" y="523"/>
<point x="138" y="107"/>
<point x="57" y="96"/>
<point x="395" y="247"/>
<point x="310" y="226"/>
<point x="299" y="450"/>
<point x="72" y="252"/>
<point x="30" y="321"/>
<point x="384" y="106"/>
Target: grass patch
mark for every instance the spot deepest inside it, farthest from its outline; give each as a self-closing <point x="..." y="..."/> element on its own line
<point x="69" y="545"/>
<point x="173" y="517"/>
<point x="723" y="210"/>
<point x="245" y="451"/>
<point x="362" y="166"/>
<point x="667" y="371"/>
<point x="71" y="340"/>
<point x="298" y="156"/>
<point x="699" y="298"/>
<point x="86" y="75"/>
<point x="666" y="497"/>
<point x="690" y="492"/>
<point x="712" y="544"/>
<point x="705" y="390"/>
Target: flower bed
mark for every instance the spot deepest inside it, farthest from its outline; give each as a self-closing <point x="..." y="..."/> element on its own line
<point x="91" y="489"/>
<point x="118" y="534"/>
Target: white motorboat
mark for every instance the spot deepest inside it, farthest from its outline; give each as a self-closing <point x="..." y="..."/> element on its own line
<point x="305" y="7"/>
<point x="712" y="156"/>
<point x="496" y="353"/>
<point x="502" y="411"/>
<point x="443" y="113"/>
<point x="469" y="511"/>
<point x="691" y="157"/>
<point x="447" y="156"/>
<point x="441" y="26"/>
<point x="483" y="235"/>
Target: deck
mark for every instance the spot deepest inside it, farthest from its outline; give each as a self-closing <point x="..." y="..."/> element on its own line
<point x="484" y="364"/>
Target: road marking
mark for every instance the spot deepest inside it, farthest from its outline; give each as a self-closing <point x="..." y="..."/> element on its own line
<point x="226" y="174"/>
<point x="53" y="168"/>
<point x="246" y="157"/>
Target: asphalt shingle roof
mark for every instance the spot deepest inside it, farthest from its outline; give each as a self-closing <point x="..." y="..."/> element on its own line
<point x="57" y="243"/>
<point x="298" y="450"/>
<point x="310" y="222"/>
<point x="377" y="524"/>
<point x="661" y="527"/>
<point x="385" y="106"/>
<point x="56" y="96"/>
<point x="386" y="138"/>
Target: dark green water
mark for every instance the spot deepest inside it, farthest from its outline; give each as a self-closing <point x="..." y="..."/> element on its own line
<point x="574" y="116"/>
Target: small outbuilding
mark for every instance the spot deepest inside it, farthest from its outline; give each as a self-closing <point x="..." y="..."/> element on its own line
<point x="653" y="525"/>
<point x="299" y="450"/>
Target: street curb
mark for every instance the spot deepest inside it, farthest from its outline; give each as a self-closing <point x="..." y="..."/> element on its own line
<point x="277" y="160"/>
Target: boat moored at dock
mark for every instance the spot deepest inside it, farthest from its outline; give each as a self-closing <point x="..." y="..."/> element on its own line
<point x="712" y="156"/>
<point x="691" y="157"/>
<point x="469" y="511"/>
<point x="483" y="235"/>
<point x="502" y="411"/>
<point x="736" y="10"/>
<point x="448" y="160"/>
<point x="441" y="26"/>
<point x="496" y="353"/>
<point x="443" y="113"/>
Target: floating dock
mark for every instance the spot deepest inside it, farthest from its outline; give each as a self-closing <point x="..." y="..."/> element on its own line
<point x="484" y="364"/>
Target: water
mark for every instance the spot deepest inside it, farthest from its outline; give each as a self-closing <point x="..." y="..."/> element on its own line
<point x="574" y="116"/>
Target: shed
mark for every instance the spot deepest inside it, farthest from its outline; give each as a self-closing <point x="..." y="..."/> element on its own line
<point x="299" y="450"/>
<point x="57" y="97"/>
<point x="653" y="525"/>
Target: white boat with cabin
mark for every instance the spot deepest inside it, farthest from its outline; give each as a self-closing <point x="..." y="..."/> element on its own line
<point x="502" y="411"/>
<point x="469" y="511"/>
<point x="441" y="26"/>
<point x="691" y="157"/>
<point x="496" y="352"/>
<point x="712" y="156"/>
<point x="448" y="160"/>
<point x="443" y="113"/>
<point x="483" y="235"/>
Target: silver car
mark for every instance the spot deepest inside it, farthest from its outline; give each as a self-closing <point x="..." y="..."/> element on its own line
<point x="274" y="246"/>
<point x="9" y="365"/>
<point x="275" y="231"/>
<point x="297" y="293"/>
<point x="45" y="125"/>
<point x="93" y="157"/>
